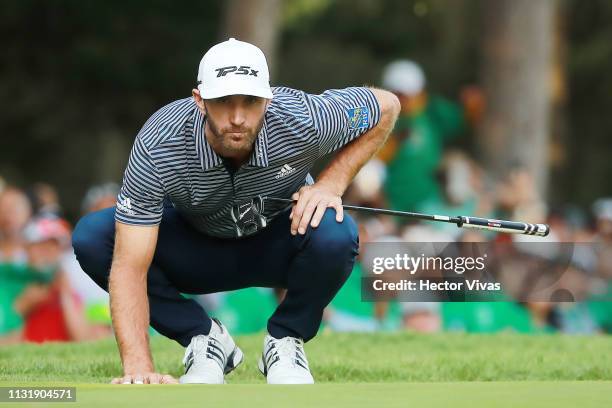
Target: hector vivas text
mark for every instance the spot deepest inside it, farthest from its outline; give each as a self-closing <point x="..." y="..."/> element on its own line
<point x="403" y="264"/>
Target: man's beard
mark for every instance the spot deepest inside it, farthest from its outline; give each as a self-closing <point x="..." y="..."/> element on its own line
<point x="225" y="147"/>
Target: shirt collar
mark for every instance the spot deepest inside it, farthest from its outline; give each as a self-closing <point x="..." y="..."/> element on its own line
<point x="259" y="156"/>
<point x="210" y="159"/>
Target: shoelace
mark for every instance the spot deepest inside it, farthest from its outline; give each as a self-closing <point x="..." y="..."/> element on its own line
<point x="287" y="350"/>
<point x="205" y="346"/>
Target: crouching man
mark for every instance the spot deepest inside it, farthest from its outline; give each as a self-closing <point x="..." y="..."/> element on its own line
<point x="190" y="218"/>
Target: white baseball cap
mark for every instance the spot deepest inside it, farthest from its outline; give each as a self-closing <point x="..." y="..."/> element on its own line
<point x="404" y="76"/>
<point x="234" y="68"/>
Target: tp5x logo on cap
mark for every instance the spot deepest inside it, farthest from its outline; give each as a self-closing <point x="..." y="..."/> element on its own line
<point x="234" y="68"/>
<point x="242" y="70"/>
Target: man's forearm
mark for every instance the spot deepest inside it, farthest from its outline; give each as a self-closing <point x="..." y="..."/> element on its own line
<point x="130" y="315"/>
<point x="132" y="257"/>
<point x="344" y="166"/>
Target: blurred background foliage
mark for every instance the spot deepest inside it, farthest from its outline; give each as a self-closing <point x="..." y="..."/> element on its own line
<point x="78" y="79"/>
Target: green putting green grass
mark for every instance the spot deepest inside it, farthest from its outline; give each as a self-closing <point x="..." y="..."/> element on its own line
<point x="398" y="369"/>
<point x="584" y="394"/>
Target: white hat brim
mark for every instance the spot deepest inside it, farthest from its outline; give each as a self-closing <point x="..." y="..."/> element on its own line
<point x="235" y="89"/>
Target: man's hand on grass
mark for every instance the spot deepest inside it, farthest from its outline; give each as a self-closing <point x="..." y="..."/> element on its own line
<point x="145" y="378"/>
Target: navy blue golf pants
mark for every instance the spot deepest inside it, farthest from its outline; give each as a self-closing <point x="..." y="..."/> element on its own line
<point x="312" y="267"/>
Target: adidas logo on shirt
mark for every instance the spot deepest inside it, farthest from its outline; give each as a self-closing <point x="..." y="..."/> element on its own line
<point x="284" y="171"/>
<point x="125" y="205"/>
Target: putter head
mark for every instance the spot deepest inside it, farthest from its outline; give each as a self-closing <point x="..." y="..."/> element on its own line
<point x="248" y="216"/>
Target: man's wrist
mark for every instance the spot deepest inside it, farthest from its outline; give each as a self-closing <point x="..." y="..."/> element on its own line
<point x="331" y="186"/>
<point x="137" y="365"/>
<point x="138" y="368"/>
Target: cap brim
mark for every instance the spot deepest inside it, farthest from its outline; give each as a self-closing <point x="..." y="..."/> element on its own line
<point x="237" y="89"/>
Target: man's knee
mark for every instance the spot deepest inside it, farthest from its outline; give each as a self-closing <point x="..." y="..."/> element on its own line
<point x="92" y="240"/>
<point x="335" y="239"/>
<point x="86" y="237"/>
<point x="82" y="238"/>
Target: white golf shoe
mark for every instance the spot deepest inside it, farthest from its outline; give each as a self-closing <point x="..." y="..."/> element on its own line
<point x="209" y="357"/>
<point x="283" y="361"/>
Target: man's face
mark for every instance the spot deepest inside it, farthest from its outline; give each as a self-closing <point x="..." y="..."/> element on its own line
<point x="233" y="123"/>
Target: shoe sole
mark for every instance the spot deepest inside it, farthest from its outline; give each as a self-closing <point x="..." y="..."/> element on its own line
<point x="262" y="370"/>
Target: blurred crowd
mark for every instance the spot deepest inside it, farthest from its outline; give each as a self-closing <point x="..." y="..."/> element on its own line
<point x="424" y="168"/>
<point x="45" y="296"/>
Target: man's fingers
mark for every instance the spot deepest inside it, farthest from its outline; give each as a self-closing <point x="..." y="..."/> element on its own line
<point x="309" y="210"/>
<point x="294" y="197"/>
<point x="168" y="379"/>
<point x="298" y="210"/>
<point x="301" y="202"/>
<point x="155" y="378"/>
<point x="127" y="379"/>
<point x="339" y="210"/>
<point x="318" y="215"/>
<point x="147" y="378"/>
<point x="312" y="201"/>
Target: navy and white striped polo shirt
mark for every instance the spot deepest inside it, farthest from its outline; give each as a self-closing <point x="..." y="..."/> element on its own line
<point x="172" y="159"/>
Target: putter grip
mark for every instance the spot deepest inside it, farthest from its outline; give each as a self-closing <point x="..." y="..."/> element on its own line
<point x="540" y="230"/>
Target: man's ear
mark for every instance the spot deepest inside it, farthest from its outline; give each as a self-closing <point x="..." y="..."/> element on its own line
<point x="198" y="100"/>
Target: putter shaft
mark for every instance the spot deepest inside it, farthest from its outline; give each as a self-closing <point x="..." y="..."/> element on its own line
<point x="461" y="221"/>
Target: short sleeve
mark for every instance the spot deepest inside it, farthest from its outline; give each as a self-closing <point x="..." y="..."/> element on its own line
<point x="140" y="200"/>
<point x="342" y="115"/>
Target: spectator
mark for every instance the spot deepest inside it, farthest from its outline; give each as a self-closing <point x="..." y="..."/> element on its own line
<point x="518" y="197"/>
<point x="94" y="299"/>
<point x="599" y="304"/>
<point x="603" y="214"/>
<point x="46" y="200"/>
<point x="421" y="317"/>
<point x="99" y="197"/>
<point x="414" y="149"/>
<point x="51" y="310"/>
<point x="14" y="278"/>
<point x="15" y="211"/>
<point x="461" y="192"/>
